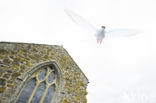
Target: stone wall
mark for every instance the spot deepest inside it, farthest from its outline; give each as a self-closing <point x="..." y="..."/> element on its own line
<point x="18" y="59"/>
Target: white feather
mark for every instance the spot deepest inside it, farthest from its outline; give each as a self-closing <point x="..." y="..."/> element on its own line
<point x="79" y="20"/>
<point x="121" y="32"/>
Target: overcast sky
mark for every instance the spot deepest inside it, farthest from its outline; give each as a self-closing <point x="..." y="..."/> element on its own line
<point x="120" y="70"/>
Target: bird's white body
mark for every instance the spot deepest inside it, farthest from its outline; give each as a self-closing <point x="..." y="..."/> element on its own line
<point x="100" y="34"/>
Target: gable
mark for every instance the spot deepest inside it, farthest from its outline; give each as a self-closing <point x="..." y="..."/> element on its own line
<point x="20" y="61"/>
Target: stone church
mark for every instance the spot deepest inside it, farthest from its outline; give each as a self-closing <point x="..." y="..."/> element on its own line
<point x="37" y="73"/>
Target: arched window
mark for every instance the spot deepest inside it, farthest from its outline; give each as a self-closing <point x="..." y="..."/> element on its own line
<point x="41" y="86"/>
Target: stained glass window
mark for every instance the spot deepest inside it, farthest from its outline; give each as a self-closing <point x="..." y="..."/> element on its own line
<point x="51" y="77"/>
<point x="40" y="87"/>
<point x="50" y="94"/>
<point x="24" y="96"/>
<point x="42" y="74"/>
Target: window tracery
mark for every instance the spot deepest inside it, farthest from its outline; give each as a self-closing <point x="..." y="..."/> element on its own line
<point x="40" y="87"/>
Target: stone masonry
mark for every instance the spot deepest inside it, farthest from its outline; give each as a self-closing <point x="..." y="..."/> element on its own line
<point x="17" y="60"/>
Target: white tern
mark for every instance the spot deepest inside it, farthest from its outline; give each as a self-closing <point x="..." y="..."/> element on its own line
<point x="99" y="33"/>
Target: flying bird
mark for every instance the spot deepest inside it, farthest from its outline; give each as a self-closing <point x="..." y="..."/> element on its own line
<point x="99" y="33"/>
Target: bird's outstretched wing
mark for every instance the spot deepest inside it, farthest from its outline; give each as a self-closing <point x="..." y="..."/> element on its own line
<point x="82" y="22"/>
<point x="121" y="33"/>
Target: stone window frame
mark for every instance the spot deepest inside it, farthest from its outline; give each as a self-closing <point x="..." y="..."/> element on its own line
<point x="22" y="80"/>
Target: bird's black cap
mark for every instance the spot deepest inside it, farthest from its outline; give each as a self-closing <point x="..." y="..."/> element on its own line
<point x="103" y="27"/>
